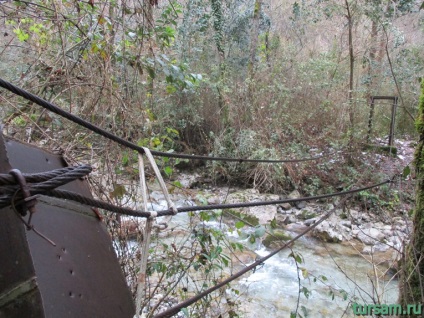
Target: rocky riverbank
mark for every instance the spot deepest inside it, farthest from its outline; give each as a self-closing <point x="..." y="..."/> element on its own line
<point x="381" y="234"/>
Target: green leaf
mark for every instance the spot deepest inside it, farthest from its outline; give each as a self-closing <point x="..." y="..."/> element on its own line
<point x="125" y="159"/>
<point x="177" y="184"/>
<point x="168" y="171"/>
<point x="151" y="72"/>
<point x="406" y="171"/>
<point x="118" y="191"/>
<point x="260" y="231"/>
<point x="22" y="36"/>
<point x="185" y="312"/>
<point x="252" y="239"/>
<point x="305" y="291"/>
<point x="239" y="224"/>
<point x="296" y="257"/>
<point x="305" y="272"/>
<point x="204" y="216"/>
<point x="304" y="310"/>
<point x="170" y="89"/>
<point x="273" y="223"/>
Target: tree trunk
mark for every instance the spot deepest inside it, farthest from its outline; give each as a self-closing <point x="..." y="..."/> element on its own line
<point x="412" y="275"/>
<point x="150" y="26"/>
<point x="254" y="37"/>
<point x="217" y="13"/>
<point x="371" y="74"/>
<point x="351" y="67"/>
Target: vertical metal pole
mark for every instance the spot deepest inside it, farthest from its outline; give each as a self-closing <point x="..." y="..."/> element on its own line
<point x="370" y="119"/>
<point x="392" y="122"/>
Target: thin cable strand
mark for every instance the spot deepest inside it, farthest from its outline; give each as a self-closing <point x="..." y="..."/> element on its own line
<point x="57" y="110"/>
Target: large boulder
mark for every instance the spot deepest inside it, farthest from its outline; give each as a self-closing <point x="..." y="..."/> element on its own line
<point x="370" y="236"/>
<point x="264" y="214"/>
<point x="327" y="233"/>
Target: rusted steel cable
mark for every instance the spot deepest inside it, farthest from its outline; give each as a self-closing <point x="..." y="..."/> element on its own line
<point x="68" y="195"/>
<point x="57" y="110"/>
<point x="49" y="180"/>
<point x="11" y="183"/>
<point x="7" y="179"/>
<point x="63" y="194"/>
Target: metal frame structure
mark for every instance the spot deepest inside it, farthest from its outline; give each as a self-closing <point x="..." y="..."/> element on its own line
<point x="393" y="117"/>
<point x="78" y="277"/>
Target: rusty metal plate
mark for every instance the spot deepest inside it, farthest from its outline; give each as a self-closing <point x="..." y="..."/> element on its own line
<point x="19" y="295"/>
<point x="80" y="276"/>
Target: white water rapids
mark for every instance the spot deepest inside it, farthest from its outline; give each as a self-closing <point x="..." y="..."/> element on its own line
<point x="273" y="289"/>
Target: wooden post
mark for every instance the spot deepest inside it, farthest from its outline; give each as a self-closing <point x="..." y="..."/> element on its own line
<point x="392" y="122"/>
<point x="372" y="106"/>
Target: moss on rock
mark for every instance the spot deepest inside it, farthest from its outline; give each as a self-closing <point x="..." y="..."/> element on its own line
<point x="278" y="237"/>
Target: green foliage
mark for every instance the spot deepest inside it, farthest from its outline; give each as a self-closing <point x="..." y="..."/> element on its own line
<point x="216" y="6"/>
<point x="178" y="83"/>
<point x="165" y="28"/>
<point x="419" y="123"/>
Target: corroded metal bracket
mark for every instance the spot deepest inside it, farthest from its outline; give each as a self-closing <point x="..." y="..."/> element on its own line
<point x="80" y="276"/>
<point x="392" y="118"/>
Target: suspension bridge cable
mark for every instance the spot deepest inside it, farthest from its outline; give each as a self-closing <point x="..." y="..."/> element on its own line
<point x="78" y="120"/>
<point x="5" y="200"/>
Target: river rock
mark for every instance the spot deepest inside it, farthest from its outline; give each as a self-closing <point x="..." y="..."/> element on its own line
<point x="306" y="214"/>
<point x="214" y="200"/>
<point x="188" y="181"/>
<point x="327" y="233"/>
<point x="290" y="219"/>
<point x="300" y="204"/>
<point x="346" y="223"/>
<point x="285" y="206"/>
<point x="354" y="215"/>
<point x="157" y="195"/>
<point x="264" y="214"/>
<point x="377" y="248"/>
<point x="370" y="236"/>
<point x="294" y="195"/>
<point x="396" y="242"/>
<point x="397" y="220"/>
<point x="309" y="222"/>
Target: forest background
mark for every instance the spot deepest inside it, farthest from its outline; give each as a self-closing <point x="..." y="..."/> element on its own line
<point x="241" y="78"/>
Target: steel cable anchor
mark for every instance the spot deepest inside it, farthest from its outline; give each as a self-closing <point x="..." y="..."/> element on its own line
<point x="29" y="202"/>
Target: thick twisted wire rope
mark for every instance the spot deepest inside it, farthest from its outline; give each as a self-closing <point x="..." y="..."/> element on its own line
<point x="7" y="179"/>
<point x="49" y="180"/>
<point x="57" y="110"/>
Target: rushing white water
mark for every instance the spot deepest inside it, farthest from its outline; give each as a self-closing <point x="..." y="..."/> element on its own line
<point x="279" y="287"/>
<point x="273" y="290"/>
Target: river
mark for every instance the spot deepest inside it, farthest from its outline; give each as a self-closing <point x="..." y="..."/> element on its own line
<point x="328" y="280"/>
